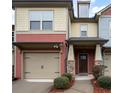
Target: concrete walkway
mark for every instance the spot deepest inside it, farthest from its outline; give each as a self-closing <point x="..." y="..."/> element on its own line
<point x="21" y="86"/>
<point x="81" y="86"/>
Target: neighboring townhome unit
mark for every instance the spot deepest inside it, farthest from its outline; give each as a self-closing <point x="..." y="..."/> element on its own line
<point x="85" y="46"/>
<point x="50" y="40"/>
<point x="105" y="32"/>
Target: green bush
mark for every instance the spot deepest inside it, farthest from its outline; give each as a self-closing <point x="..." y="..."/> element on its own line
<point x="68" y="75"/>
<point x="98" y="70"/>
<point x="61" y="82"/>
<point x="104" y="82"/>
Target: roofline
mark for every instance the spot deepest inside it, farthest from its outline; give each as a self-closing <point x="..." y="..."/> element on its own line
<point x="88" y="20"/>
<point x="42" y="3"/>
<point x="102" y="10"/>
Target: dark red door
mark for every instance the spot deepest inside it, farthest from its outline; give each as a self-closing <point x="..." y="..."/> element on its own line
<point x="83" y="63"/>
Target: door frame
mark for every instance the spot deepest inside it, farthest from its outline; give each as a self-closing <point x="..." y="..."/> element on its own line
<point x="37" y="51"/>
<point x="87" y="60"/>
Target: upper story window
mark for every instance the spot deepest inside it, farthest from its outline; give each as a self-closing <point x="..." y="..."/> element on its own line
<point x="83" y="10"/>
<point x="41" y="20"/>
<point x="83" y="30"/>
<point x="109" y="28"/>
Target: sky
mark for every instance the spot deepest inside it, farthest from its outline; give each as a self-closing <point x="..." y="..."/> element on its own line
<point x="95" y="6"/>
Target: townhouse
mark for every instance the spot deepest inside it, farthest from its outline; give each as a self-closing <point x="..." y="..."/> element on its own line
<point x="50" y="40"/>
<point x="104" y="26"/>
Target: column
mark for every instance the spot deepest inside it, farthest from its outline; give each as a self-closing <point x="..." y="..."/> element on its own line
<point x="98" y="55"/>
<point x="71" y="61"/>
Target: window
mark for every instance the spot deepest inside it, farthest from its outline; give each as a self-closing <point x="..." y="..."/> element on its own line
<point x="13" y="39"/>
<point x="47" y="25"/>
<point x="110" y="28"/>
<point x="83" y="32"/>
<point x="35" y="25"/>
<point x="12" y="36"/>
<point x="41" y="20"/>
<point x="83" y="10"/>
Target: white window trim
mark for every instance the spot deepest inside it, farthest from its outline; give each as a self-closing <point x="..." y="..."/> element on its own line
<point x="82" y="31"/>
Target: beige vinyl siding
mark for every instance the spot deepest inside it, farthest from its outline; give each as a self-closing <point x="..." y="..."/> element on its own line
<point x="59" y="20"/>
<point x="22" y="19"/>
<point x="92" y="29"/>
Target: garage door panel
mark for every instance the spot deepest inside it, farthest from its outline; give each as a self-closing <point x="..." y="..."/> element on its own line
<point x="41" y="65"/>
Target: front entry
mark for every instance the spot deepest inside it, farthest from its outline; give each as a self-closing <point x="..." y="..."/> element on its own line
<point x="83" y="63"/>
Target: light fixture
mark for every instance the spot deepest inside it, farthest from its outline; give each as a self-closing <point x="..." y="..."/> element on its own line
<point x="55" y="46"/>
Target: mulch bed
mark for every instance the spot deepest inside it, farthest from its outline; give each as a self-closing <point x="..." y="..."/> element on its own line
<point x="98" y="89"/>
<point x="54" y="90"/>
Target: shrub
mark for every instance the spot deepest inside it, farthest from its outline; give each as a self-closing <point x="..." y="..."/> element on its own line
<point x="98" y="70"/>
<point x="68" y="75"/>
<point x="104" y="82"/>
<point x="61" y="82"/>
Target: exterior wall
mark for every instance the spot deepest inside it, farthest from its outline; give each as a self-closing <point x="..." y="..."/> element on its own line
<point x="20" y="59"/>
<point x="40" y="37"/>
<point x="107" y="62"/>
<point x="92" y="29"/>
<point x="107" y="12"/>
<point x="59" y="20"/>
<point x="23" y="33"/>
<point x="91" y="58"/>
<point x="18" y="63"/>
<point x="105" y="29"/>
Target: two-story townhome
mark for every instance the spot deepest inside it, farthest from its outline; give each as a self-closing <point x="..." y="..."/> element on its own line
<point x="50" y="40"/>
<point x="104" y="23"/>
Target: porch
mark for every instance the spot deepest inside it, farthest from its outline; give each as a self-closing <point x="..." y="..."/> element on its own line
<point x="84" y="53"/>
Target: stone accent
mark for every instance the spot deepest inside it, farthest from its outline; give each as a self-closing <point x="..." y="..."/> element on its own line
<point x="71" y="61"/>
<point x="98" y="62"/>
<point x="71" y="67"/>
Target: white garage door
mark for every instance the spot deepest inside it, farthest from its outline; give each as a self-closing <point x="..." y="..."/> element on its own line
<point x="41" y="65"/>
<point x="107" y="62"/>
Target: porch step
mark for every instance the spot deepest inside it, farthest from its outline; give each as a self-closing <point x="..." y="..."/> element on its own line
<point x="89" y="77"/>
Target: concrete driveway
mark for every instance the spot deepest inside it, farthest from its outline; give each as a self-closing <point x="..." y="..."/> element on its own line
<point x="22" y="86"/>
